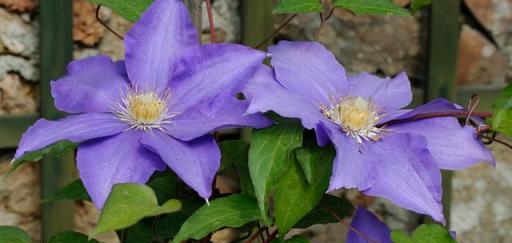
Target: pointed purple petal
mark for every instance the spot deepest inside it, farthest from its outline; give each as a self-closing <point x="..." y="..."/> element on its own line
<point x="94" y="84"/>
<point x="308" y="69"/>
<point x="76" y="128"/>
<point x="265" y="94"/>
<point x="453" y="147"/>
<point x="112" y="160"/>
<point x="369" y="228"/>
<point x="407" y="174"/>
<point x="225" y="111"/>
<point x="350" y="170"/>
<point x="156" y="42"/>
<point x="388" y="94"/>
<point x="210" y="70"/>
<point x="195" y="162"/>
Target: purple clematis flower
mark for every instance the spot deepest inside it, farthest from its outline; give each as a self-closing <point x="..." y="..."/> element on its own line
<point x="367" y="228"/>
<point x="156" y="109"/>
<point x="400" y="161"/>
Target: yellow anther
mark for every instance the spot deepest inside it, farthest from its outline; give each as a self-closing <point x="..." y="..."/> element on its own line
<point x="146" y="108"/>
<point x="356" y="115"/>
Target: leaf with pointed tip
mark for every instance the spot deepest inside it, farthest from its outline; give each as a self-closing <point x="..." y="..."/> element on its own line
<point x="426" y="233"/>
<point x="165" y="186"/>
<point x="169" y="225"/>
<point x="57" y="149"/>
<point x="231" y="211"/>
<point x="130" y="10"/>
<point x="72" y="191"/>
<point x="11" y="234"/>
<point x="372" y="7"/>
<point x="127" y="204"/>
<point x="323" y="213"/>
<point x="297" y="6"/>
<point x="502" y="107"/>
<point x="269" y="157"/>
<point x="70" y="237"/>
<point x="294" y="197"/>
<point x="235" y="157"/>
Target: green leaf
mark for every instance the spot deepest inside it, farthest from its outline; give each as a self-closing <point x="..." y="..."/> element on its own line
<point x="294" y="239"/>
<point x="130" y="10"/>
<point x="502" y="107"/>
<point x="129" y="203"/>
<point x="165" y="186"/>
<point x="169" y="225"/>
<point x="297" y="239"/>
<point x="70" y="237"/>
<point x="141" y="232"/>
<point x="269" y="157"/>
<point x="426" y="233"/>
<point x="297" y="6"/>
<point x="323" y="213"/>
<point x="416" y="5"/>
<point x="372" y="7"/>
<point x="307" y="161"/>
<point x="58" y="149"/>
<point x="73" y="191"/>
<point x="232" y="211"/>
<point x="294" y="197"/>
<point x="11" y="234"/>
<point x="235" y="157"/>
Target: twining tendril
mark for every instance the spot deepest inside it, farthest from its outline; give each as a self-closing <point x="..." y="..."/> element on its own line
<point x="105" y="25"/>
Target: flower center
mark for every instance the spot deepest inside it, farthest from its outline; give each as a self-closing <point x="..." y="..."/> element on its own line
<point x="143" y="110"/>
<point x="146" y="108"/>
<point x="357" y="116"/>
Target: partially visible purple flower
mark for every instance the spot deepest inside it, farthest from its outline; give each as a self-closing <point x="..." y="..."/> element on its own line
<point x="400" y="161"/>
<point x="367" y="228"/>
<point x="154" y="110"/>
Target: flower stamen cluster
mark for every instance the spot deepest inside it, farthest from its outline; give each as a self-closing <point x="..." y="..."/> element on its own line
<point x="356" y="116"/>
<point x="144" y="111"/>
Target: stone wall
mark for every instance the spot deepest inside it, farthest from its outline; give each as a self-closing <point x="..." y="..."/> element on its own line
<point x="19" y="193"/>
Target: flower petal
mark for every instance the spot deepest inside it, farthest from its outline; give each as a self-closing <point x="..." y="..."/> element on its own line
<point x="225" y="111"/>
<point x="93" y="84"/>
<point x="156" y="42"/>
<point x="388" y="94"/>
<point x="266" y="94"/>
<point x="195" y="162"/>
<point x="112" y="160"/>
<point x="75" y="128"/>
<point x="369" y="228"/>
<point x="308" y="69"/>
<point x="406" y="174"/>
<point x="453" y="147"/>
<point x="350" y="169"/>
<point x="211" y="70"/>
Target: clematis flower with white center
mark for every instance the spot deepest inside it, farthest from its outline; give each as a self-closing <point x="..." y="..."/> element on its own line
<point x="380" y="151"/>
<point x="154" y="110"/>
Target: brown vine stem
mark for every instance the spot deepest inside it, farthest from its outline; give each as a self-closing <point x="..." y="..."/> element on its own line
<point x="213" y="34"/>
<point x="271" y="237"/>
<point x="462" y="114"/>
<point x="255" y="235"/>
<point x="351" y="228"/>
<point x="276" y="31"/>
<point x="105" y="25"/>
<point x="493" y="139"/>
